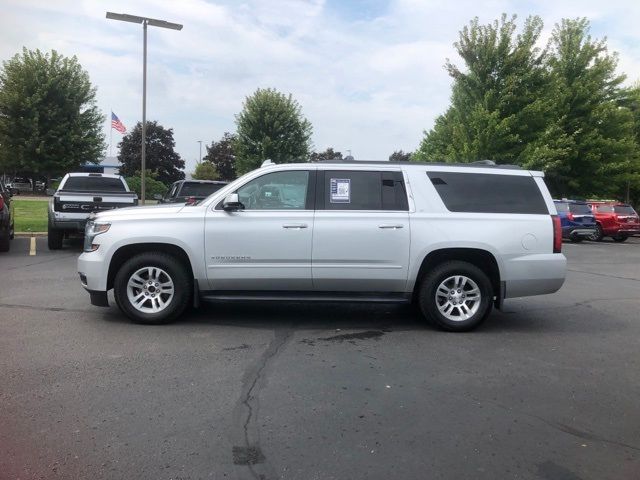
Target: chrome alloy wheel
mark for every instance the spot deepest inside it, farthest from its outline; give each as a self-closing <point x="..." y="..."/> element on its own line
<point x="150" y="290"/>
<point x="458" y="298"/>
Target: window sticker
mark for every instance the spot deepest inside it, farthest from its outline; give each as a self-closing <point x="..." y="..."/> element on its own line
<point x="340" y="190"/>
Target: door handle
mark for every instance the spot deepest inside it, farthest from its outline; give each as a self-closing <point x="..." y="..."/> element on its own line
<point x="295" y="225"/>
<point x="394" y="227"/>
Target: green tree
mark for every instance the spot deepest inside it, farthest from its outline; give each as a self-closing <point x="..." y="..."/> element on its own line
<point x="328" y="154"/>
<point x="271" y="126"/>
<point x="161" y="158"/>
<point x="49" y="121"/>
<point x="152" y="185"/>
<point x="222" y="156"/>
<point x="205" y="171"/>
<point x="497" y="102"/>
<point x="400" y="156"/>
<point x="588" y="147"/>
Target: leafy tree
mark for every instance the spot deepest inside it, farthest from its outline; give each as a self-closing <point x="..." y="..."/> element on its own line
<point x="205" y="171"/>
<point x="400" y="156"/>
<point x="49" y="121"/>
<point x="221" y="155"/>
<point x="161" y="158"/>
<point x="588" y="147"/>
<point x="271" y="126"/>
<point x="152" y="185"/>
<point x="328" y="154"/>
<point x="497" y="102"/>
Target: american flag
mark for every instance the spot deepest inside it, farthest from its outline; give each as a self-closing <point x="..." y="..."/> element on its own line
<point x="117" y="124"/>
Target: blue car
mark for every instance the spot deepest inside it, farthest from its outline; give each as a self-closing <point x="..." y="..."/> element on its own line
<point x="576" y="219"/>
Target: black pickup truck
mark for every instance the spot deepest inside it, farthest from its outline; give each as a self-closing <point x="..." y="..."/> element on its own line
<point x="81" y="194"/>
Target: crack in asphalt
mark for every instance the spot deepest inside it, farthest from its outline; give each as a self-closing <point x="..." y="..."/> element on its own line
<point x="561" y="426"/>
<point x="61" y="257"/>
<point x="252" y="454"/>
<point x="42" y="309"/>
<point x="604" y="275"/>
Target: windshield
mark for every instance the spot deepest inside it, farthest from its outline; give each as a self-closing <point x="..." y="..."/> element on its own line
<point x="197" y="189"/>
<point x="94" y="184"/>
<point x="580" y="208"/>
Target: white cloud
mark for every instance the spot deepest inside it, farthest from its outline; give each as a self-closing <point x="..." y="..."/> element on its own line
<point x="369" y="82"/>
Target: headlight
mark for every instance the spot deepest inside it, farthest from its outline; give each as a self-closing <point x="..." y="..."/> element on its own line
<point x="91" y="231"/>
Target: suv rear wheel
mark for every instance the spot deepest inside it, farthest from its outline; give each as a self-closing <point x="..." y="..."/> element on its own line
<point x="456" y="296"/>
<point x="54" y="238"/>
<point x="152" y="288"/>
<point x="597" y="235"/>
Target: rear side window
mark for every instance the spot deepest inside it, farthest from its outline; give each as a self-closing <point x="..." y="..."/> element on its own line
<point x="94" y="184"/>
<point x="604" y="208"/>
<point x="624" y="210"/>
<point x="580" y="208"/>
<point x="362" y="190"/>
<point x="487" y="193"/>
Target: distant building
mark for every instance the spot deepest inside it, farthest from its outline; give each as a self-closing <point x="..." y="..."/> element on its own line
<point x="106" y="165"/>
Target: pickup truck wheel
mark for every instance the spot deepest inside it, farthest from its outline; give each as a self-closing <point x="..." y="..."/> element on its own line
<point x="152" y="288"/>
<point x="456" y="296"/>
<point x="620" y="238"/>
<point x="5" y="243"/>
<point x="54" y="238"/>
<point x="597" y="235"/>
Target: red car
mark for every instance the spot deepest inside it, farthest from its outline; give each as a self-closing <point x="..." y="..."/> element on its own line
<point x="616" y="220"/>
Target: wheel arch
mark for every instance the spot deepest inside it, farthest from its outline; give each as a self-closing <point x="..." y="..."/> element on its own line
<point x="125" y="252"/>
<point x="483" y="259"/>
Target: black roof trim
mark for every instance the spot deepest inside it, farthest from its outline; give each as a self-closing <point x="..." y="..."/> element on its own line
<point x="434" y="164"/>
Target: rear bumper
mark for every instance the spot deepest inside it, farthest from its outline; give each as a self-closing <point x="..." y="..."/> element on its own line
<point x="578" y="231"/>
<point x="68" y="221"/>
<point x="538" y="274"/>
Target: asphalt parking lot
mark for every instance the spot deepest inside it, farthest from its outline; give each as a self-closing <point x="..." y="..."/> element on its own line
<point x="547" y="389"/>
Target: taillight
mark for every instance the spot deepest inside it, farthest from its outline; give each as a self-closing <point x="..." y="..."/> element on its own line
<point x="557" y="234"/>
<point x="570" y="216"/>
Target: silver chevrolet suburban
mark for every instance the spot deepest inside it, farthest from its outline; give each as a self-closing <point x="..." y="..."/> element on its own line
<point x="454" y="239"/>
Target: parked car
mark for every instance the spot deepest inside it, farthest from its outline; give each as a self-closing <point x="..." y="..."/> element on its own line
<point x="7" y="228"/>
<point x="616" y="220"/>
<point x="577" y="219"/>
<point x="80" y="194"/>
<point x="20" y="185"/>
<point x="457" y="240"/>
<point x="192" y="190"/>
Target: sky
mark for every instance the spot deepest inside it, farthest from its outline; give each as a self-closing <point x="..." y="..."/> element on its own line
<point x="368" y="74"/>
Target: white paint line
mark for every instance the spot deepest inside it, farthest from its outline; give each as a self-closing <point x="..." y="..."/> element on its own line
<point x="32" y="248"/>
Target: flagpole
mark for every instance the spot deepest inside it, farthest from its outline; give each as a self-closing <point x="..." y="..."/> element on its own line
<point x="111" y="136"/>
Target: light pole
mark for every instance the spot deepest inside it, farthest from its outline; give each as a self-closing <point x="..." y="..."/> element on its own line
<point x="200" y="142"/>
<point x="125" y="17"/>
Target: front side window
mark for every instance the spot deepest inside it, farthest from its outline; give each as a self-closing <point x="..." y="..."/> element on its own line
<point x="276" y="191"/>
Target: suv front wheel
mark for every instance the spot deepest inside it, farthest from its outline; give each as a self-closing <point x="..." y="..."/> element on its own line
<point x="456" y="296"/>
<point x="152" y="288"/>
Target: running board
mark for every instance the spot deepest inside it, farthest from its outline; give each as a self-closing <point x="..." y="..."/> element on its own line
<point x="262" y="296"/>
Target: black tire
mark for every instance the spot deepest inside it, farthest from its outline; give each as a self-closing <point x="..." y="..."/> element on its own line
<point x="620" y="238"/>
<point x="54" y="238"/>
<point x="598" y="235"/>
<point x="5" y="241"/>
<point x="429" y="304"/>
<point x="173" y="269"/>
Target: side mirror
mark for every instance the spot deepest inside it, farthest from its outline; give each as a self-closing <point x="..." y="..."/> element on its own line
<point x="232" y="203"/>
<point x="157" y="196"/>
